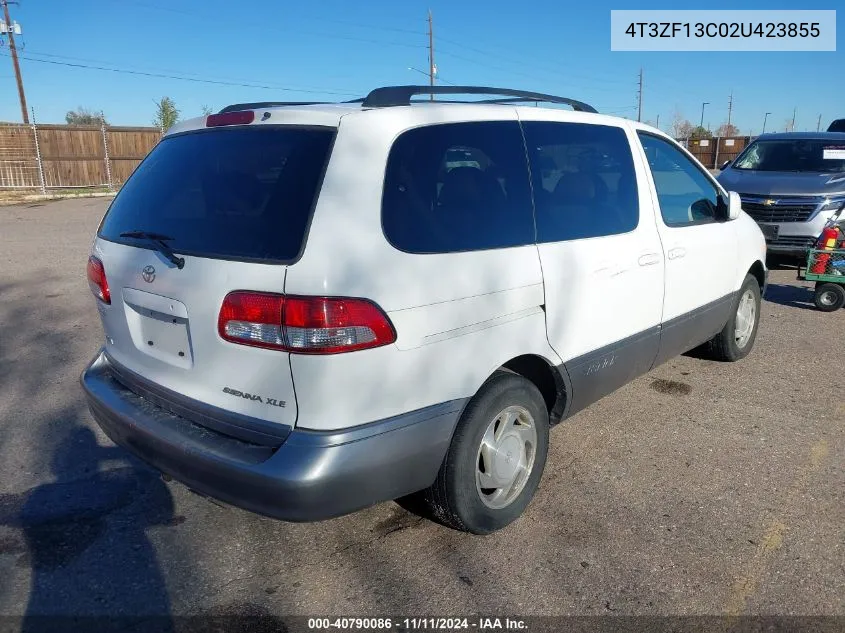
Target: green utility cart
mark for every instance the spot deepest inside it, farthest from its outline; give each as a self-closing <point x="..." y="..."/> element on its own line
<point x="830" y="284"/>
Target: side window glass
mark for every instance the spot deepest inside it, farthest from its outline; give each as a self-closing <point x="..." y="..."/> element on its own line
<point x="583" y="180"/>
<point x="686" y="196"/>
<point x="458" y="187"/>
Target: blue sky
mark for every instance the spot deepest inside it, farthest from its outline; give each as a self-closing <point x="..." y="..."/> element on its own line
<point x="338" y="50"/>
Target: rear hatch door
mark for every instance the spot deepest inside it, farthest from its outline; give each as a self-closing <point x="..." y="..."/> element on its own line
<point x="234" y="204"/>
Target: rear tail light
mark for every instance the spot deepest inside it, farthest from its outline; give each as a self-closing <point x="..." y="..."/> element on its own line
<point x="97" y="280"/>
<point x="240" y="117"/>
<point x="304" y="325"/>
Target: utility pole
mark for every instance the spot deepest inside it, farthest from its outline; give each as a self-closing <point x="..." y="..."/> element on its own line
<point x="657" y="124"/>
<point x="819" y="124"/>
<point x="14" y="52"/>
<point x="792" y="126"/>
<point x="730" y="107"/>
<point x="431" y="67"/>
<point x="764" y="122"/>
<point x="640" y="97"/>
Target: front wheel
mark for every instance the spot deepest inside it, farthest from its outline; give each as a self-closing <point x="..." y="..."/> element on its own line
<point x="737" y="338"/>
<point x="496" y="457"/>
<point x="829" y="296"/>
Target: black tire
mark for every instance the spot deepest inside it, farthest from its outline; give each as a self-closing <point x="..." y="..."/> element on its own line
<point x="724" y="346"/>
<point x="454" y="499"/>
<point x="829" y="297"/>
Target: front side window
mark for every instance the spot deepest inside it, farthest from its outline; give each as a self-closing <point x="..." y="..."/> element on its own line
<point x="458" y="187"/>
<point x="686" y="196"/>
<point x="583" y="179"/>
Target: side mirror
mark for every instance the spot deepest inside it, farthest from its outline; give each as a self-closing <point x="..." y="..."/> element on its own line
<point x="724" y="165"/>
<point x="734" y="205"/>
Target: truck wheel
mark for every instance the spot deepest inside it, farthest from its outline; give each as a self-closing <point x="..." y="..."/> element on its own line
<point x="829" y="296"/>
<point x="737" y="338"/>
<point x="496" y="457"/>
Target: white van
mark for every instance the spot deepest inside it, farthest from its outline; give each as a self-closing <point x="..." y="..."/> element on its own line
<point x="312" y="308"/>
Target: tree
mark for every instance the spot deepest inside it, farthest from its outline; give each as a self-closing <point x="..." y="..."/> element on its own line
<point x="166" y="114"/>
<point x="84" y="116"/>
<point x="206" y="110"/>
<point x="727" y="129"/>
<point x="681" y="128"/>
<point x="700" y="132"/>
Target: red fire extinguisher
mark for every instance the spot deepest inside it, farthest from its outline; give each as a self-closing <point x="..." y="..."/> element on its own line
<point x="826" y="242"/>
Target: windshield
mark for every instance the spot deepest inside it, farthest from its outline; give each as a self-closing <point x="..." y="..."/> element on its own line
<point x="801" y="155"/>
<point x="239" y="193"/>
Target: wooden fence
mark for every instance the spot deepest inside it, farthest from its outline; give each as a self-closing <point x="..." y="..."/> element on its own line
<point x="70" y="156"/>
<point x="712" y="152"/>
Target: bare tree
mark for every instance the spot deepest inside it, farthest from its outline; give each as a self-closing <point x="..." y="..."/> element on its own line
<point x="681" y="128"/>
<point x="727" y="129"/>
<point x="206" y="110"/>
<point x="84" y="116"/>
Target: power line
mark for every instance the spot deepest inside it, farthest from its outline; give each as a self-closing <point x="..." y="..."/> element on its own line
<point x="536" y="65"/>
<point x="349" y="38"/>
<point x="499" y="69"/>
<point x="152" y="69"/>
<point x="377" y="27"/>
<point x="107" y="62"/>
<point x="439" y="78"/>
<point x="192" y="79"/>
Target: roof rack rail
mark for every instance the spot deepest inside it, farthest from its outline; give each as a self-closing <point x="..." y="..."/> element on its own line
<point x="401" y="95"/>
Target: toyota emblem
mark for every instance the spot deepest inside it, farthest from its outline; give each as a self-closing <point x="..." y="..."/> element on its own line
<point x="149" y="274"/>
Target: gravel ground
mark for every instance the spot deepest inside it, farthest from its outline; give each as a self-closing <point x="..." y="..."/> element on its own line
<point x="701" y="488"/>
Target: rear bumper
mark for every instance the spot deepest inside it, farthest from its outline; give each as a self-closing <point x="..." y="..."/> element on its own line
<point x="310" y="476"/>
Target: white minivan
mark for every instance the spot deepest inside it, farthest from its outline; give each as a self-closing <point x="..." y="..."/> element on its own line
<point x="312" y="308"/>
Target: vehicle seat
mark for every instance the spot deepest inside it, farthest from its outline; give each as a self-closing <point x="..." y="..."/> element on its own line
<point x="472" y="200"/>
<point x="469" y="189"/>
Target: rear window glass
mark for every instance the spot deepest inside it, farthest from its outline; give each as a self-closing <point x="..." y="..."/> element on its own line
<point x="240" y="193"/>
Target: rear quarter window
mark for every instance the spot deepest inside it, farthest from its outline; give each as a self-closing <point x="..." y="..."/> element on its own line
<point x="238" y="193"/>
<point x="458" y="187"/>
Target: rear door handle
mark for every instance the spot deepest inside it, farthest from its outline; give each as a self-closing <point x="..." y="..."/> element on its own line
<point x="677" y="253"/>
<point x="649" y="259"/>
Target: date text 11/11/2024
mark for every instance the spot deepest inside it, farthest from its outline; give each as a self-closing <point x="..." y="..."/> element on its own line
<point x="418" y="624"/>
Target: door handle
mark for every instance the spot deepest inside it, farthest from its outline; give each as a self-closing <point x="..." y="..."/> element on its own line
<point x="649" y="259"/>
<point x="677" y="253"/>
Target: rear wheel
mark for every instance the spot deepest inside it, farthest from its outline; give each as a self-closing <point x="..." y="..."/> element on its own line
<point x="737" y="338"/>
<point x="496" y="458"/>
<point x="829" y="296"/>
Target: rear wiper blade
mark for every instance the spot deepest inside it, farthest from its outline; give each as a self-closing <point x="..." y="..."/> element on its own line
<point x="160" y="241"/>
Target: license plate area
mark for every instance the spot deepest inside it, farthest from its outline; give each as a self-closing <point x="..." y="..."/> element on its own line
<point x="160" y="329"/>
<point x="770" y="231"/>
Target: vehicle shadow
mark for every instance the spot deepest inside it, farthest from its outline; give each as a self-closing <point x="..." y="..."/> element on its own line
<point x="790" y="296"/>
<point x="85" y="540"/>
